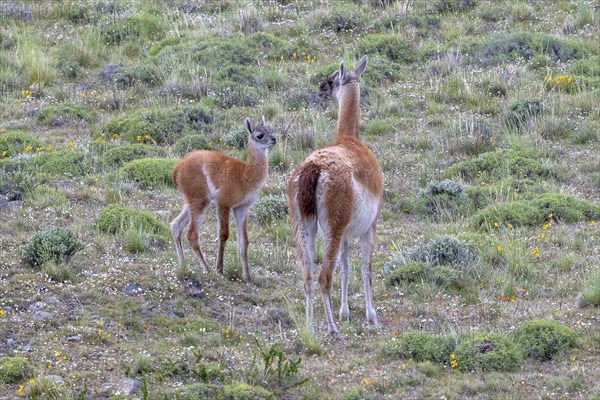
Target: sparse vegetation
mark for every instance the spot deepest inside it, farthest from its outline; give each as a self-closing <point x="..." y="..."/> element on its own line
<point x="484" y="118"/>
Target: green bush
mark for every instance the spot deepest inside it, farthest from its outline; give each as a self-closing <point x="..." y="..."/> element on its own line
<point x="519" y="113"/>
<point x="496" y="165"/>
<point x="591" y="290"/>
<point x="487" y="352"/>
<point x="243" y="391"/>
<point x="543" y="339"/>
<point x="51" y="245"/>
<point x="446" y="277"/>
<point x="270" y="208"/>
<point x="161" y="126"/>
<point x="149" y="172"/>
<point x="442" y="250"/>
<point x="16" y="142"/>
<point x="421" y="346"/>
<point x="14" y="369"/>
<point x="190" y="143"/>
<point x="142" y="26"/>
<point x="147" y="73"/>
<point x="63" y="114"/>
<point x="504" y="48"/>
<point x="57" y="164"/>
<point x="391" y="46"/>
<point x="404" y="273"/>
<point x="236" y="137"/>
<point x="198" y="391"/>
<point x="119" y="155"/>
<point x="118" y="219"/>
<point x="513" y="188"/>
<point x="447" y="186"/>
<point x="564" y="208"/>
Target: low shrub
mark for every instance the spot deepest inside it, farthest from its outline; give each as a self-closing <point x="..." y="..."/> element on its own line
<point x="147" y="73"/>
<point x="401" y="272"/>
<point x="51" y="245"/>
<point x="141" y="26"/>
<point x="58" y="164"/>
<point x="162" y="126"/>
<point x="16" y="142"/>
<point x="543" y="339"/>
<point x="119" y="155"/>
<point x="270" y="208"/>
<point x="564" y="208"/>
<point x="391" y="46"/>
<point x="442" y="250"/>
<point x="14" y="369"/>
<point x="509" y="47"/>
<point x="149" y="172"/>
<point x="242" y="391"/>
<point x="119" y="219"/>
<point x="421" y="346"/>
<point x="520" y="113"/>
<point x="236" y="137"/>
<point x="59" y="115"/>
<point x="481" y="196"/>
<point x="470" y="137"/>
<point x="487" y="352"/>
<point x="190" y="143"/>
<point x="497" y="165"/>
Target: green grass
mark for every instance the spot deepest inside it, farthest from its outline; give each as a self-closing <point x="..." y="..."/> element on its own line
<point x="483" y="116"/>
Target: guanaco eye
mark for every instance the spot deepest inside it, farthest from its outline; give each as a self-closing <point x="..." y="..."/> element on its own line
<point x="260" y="136"/>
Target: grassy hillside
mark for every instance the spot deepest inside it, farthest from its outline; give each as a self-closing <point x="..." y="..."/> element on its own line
<point x="485" y="118"/>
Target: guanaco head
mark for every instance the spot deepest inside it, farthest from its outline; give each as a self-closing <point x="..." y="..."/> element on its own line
<point x="260" y="135"/>
<point x="329" y="88"/>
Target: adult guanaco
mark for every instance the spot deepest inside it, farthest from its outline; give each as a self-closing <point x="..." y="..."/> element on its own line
<point x="204" y="177"/>
<point x="337" y="190"/>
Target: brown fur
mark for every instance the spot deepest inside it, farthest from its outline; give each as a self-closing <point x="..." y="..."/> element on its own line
<point x="205" y="176"/>
<point x="336" y="183"/>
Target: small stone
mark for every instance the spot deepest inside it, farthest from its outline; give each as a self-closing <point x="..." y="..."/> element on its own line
<point x="38" y="305"/>
<point x="74" y="339"/>
<point x="193" y="288"/>
<point x="41" y="315"/>
<point x="127" y="386"/>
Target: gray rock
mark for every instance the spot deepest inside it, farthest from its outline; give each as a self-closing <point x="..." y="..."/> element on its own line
<point x="194" y="288"/>
<point x="38" y="305"/>
<point x="4" y="204"/>
<point x="127" y="386"/>
<point x="41" y="315"/>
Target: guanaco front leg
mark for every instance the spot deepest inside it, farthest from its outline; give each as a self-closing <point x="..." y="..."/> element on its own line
<point x="241" y="226"/>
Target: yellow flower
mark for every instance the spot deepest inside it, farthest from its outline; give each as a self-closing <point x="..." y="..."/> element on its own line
<point x="49" y="148"/>
<point x="28" y="148"/>
<point x="83" y="94"/>
<point x="21" y="388"/>
<point x="452" y="356"/>
<point x="550" y="216"/>
<point x="2" y="130"/>
<point x="4" y="153"/>
<point x="510" y="226"/>
<point x="294" y="55"/>
<point x="38" y="149"/>
<point x="49" y="366"/>
<point x="367" y="382"/>
<point x="593" y="222"/>
<point x="31" y="381"/>
<point x="57" y="354"/>
<point x="453" y="364"/>
<point x="573" y="359"/>
<point x="138" y="138"/>
<point x="496" y="224"/>
<point x="403" y="367"/>
<point x="1" y="311"/>
<point x="226" y="333"/>
<point x="499" y="248"/>
<point x="71" y="144"/>
<point x="543" y="235"/>
<point x="115" y="136"/>
<point x="99" y="331"/>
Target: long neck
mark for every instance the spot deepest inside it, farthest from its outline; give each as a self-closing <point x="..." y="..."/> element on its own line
<point x="349" y="111"/>
<point x="257" y="166"/>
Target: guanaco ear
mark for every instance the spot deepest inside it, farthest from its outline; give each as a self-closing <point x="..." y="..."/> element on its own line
<point x="264" y="121"/>
<point x="249" y="125"/>
<point x="362" y="64"/>
<point x="342" y="72"/>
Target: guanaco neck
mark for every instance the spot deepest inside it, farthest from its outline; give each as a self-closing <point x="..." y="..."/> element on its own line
<point x="349" y="111"/>
<point x="257" y="166"/>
